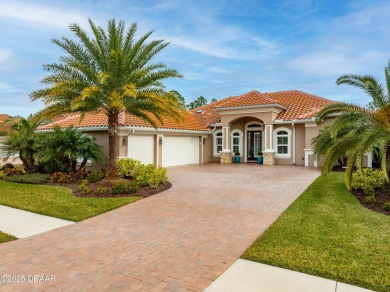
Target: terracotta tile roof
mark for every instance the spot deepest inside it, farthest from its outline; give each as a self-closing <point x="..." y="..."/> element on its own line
<point x="4" y="128"/>
<point x="99" y="119"/>
<point x="298" y="104"/>
<point x="248" y="99"/>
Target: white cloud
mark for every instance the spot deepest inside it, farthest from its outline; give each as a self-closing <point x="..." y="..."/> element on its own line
<point x="41" y="14"/>
<point x="331" y="63"/>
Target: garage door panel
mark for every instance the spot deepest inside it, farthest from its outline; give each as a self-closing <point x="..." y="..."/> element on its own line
<point x="141" y="147"/>
<point x="179" y="150"/>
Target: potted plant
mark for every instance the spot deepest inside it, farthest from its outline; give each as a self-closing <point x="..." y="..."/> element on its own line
<point x="260" y="157"/>
<point x="237" y="158"/>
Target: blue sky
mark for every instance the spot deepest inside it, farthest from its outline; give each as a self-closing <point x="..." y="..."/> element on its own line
<point x="222" y="48"/>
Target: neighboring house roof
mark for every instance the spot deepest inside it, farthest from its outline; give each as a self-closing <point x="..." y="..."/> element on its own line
<point x="294" y="105"/>
<point x="4" y="128"/>
<point x="298" y="105"/>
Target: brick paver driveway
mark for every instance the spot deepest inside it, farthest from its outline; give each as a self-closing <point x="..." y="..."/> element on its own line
<point x="182" y="239"/>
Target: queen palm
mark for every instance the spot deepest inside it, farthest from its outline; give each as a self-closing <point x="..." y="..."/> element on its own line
<point x="110" y="72"/>
<point x="357" y="130"/>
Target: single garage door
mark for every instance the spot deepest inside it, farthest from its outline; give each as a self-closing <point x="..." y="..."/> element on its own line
<point x="141" y="147"/>
<point x="179" y="150"/>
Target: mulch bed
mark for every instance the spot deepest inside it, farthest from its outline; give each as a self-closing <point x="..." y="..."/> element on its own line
<point x="141" y="192"/>
<point x="381" y="198"/>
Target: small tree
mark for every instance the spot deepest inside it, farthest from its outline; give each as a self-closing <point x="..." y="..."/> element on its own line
<point x="21" y="140"/>
<point x="68" y="147"/>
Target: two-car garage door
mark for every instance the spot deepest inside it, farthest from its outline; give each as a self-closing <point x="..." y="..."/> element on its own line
<point x="176" y="150"/>
<point x="180" y="150"/>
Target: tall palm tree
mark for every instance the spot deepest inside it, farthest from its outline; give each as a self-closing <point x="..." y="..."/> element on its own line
<point x="357" y="130"/>
<point x="110" y="72"/>
<point x="20" y="140"/>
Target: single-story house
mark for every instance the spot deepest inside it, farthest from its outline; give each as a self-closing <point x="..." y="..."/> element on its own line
<point x="280" y="124"/>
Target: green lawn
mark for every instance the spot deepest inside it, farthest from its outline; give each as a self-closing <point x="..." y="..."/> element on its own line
<point x="4" y="237"/>
<point x="327" y="233"/>
<point x="56" y="201"/>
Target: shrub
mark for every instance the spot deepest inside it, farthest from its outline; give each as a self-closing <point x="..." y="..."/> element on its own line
<point x="370" y="199"/>
<point x="61" y="177"/>
<point x="368" y="180"/>
<point x="386" y="206"/>
<point x="119" y="187"/>
<point x="95" y="176"/>
<point x="123" y="187"/>
<point x="82" y="173"/>
<point x="159" y="176"/>
<point x="128" y="167"/>
<point x="14" y="171"/>
<point x="132" y="187"/>
<point x="83" y="189"/>
<point x="143" y="173"/>
<point x="7" y="165"/>
<point x="100" y="191"/>
<point x="35" y="178"/>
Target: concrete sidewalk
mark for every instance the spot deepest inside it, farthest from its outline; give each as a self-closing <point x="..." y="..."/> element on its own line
<point x="23" y="224"/>
<point x="250" y="276"/>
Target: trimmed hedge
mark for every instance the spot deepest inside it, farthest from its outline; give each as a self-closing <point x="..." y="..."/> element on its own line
<point x="35" y="178"/>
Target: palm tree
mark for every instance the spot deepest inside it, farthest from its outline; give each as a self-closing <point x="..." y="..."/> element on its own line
<point x="21" y="140"/>
<point x="67" y="147"/>
<point x="357" y="130"/>
<point x="110" y="72"/>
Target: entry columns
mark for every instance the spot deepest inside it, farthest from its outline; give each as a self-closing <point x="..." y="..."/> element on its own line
<point x="269" y="152"/>
<point x="226" y="153"/>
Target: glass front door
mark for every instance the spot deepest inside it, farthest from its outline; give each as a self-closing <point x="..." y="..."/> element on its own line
<point x="253" y="144"/>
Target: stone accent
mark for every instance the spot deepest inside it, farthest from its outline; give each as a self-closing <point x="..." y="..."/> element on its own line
<point x="269" y="157"/>
<point x="226" y="157"/>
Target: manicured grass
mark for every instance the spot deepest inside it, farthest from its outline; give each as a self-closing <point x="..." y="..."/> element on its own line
<point x="4" y="237"/>
<point x="56" y="201"/>
<point x="327" y="233"/>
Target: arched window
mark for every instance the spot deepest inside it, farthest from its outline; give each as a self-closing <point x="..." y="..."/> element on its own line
<point x="282" y="140"/>
<point x="218" y="142"/>
<point x="236" y="141"/>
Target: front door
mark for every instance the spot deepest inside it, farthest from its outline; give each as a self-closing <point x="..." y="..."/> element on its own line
<point x="253" y="144"/>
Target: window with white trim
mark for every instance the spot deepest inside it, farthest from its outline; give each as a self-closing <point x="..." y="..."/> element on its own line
<point x="236" y="141"/>
<point x="282" y="140"/>
<point x="218" y="142"/>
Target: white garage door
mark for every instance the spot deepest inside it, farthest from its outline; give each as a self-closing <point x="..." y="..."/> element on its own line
<point x="180" y="150"/>
<point x="141" y="147"/>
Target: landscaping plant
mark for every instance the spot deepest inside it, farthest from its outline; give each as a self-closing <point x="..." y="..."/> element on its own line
<point x="20" y="140"/>
<point x="357" y="130"/>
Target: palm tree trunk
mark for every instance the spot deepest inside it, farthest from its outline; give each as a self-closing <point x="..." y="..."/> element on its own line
<point x="113" y="119"/>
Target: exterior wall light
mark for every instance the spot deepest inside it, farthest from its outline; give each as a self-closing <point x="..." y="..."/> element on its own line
<point x="160" y="140"/>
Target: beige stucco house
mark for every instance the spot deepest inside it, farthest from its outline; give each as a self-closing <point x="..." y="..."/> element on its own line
<point x="280" y="124"/>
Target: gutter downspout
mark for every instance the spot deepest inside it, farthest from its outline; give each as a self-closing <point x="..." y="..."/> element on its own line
<point x="294" y="143"/>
